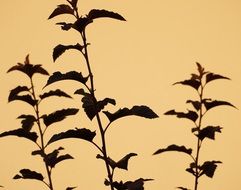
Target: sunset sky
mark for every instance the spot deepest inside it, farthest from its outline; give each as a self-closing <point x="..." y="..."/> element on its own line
<point x="135" y="62"/>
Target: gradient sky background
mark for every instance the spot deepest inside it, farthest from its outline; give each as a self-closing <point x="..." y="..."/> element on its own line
<point x="136" y="62"/>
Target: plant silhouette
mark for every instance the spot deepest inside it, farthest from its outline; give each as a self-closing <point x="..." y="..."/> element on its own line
<point x="201" y="106"/>
<point x="94" y="108"/>
<point x="34" y="126"/>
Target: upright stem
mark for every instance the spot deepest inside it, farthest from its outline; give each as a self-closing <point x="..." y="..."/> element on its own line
<point x="50" y="185"/>
<point x="102" y="132"/>
<point x="199" y="142"/>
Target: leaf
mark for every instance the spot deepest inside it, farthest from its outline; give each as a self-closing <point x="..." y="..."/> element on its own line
<point x="211" y="76"/>
<point x="95" y="13"/>
<point x="174" y="147"/>
<point x="81" y="24"/>
<point x="195" y="104"/>
<point x="129" y="185"/>
<point x="21" y="133"/>
<point x="84" y="134"/>
<point x="73" y="3"/>
<point x="209" y="132"/>
<point x="141" y="111"/>
<point x="28" y="174"/>
<point x="27" y="122"/>
<point x="52" y="158"/>
<point x="208" y="168"/>
<point x="14" y="92"/>
<point x="28" y="68"/>
<point x="183" y="188"/>
<point x="72" y="75"/>
<point x="60" y="49"/>
<point x="192" y="169"/>
<point x="25" y="98"/>
<point x="91" y="107"/>
<point x="57" y="92"/>
<point x="58" y="115"/>
<point x="70" y="188"/>
<point x="65" y="26"/>
<point x="122" y="163"/>
<point x="209" y="104"/>
<point x="191" y="115"/>
<point x="191" y="82"/>
<point x="62" y="9"/>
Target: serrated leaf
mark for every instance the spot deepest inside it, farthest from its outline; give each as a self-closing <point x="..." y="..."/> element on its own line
<point x="141" y="111"/>
<point x="57" y="92"/>
<point x="84" y="134"/>
<point x="60" y="49"/>
<point x="61" y="9"/>
<point x="208" y="168"/>
<point x="58" y="115"/>
<point x="91" y="107"/>
<point x="21" y="133"/>
<point x="14" y="92"/>
<point x="72" y="75"/>
<point x="27" y="121"/>
<point x="209" y="132"/>
<point x="95" y="13"/>
<point x="28" y="174"/>
<point x="174" y="147"/>
<point x="211" y="76"/>
<point x="53" y="158"/>
<point x="191" y="82"/>
<point x="195" y="104"/>
<point x="28" y="68"/>
<point x="191" y="115"/>
<point x="25" y="98"/>
<point x="209" y="104"/>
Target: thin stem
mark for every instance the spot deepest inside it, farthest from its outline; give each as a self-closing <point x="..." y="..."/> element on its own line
<point x="42" y="147"/>
<point x="199" y="142"/>
<point x="102" y="132"/>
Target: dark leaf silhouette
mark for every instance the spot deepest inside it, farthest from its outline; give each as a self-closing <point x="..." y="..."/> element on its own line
<point x="192" y="169"/>
<point x="60" y="49"/>
<point x="208" y="168"/>
<point x="209" y="132"/>
<point x="130" y="185"/>
<point x="28" y="68"/>
<point x="183" y="188"/>
<point x="70" y="188"/>
<point x="174" y="147"/>
<point x="61" y="9"/>
<point x="58" y="115"/>
<point x="141" y="111"/>
<point x="209" y="104"/>
<point x="73" y="3"/>
<point x="28" y="174"/>
<point x="81" y="23"/>
<point x="27" y="122"/>
<point x="38" y="152"/>
<point x="95" y="13"/>
<point x="21" y="133"/>
<point x="191" y="82"/>
<point x="54" y="93"/>
<point x="84" y="134"/>
<point x="25" y="98"/>
<point x="65" y="26"/>
<point x="212" y="76"/>
<point x="14" y="92"/>
<point x="122" y="163"/>
<point x="53" y="158"/>
<point x="91" y="107"/>
<point x="72" y="75"/>
<point x="191" y="115"/>
<point x="195" y="104"/>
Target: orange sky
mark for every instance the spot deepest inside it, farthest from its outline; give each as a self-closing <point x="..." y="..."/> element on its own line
<point x="136" y="62"/>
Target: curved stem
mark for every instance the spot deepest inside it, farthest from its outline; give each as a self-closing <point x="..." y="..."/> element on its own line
<point x="42" y="147"/>
<point x="92" y="92"/>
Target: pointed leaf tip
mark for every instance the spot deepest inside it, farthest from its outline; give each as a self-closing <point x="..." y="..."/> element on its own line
<point x="61" y="9"/>
<point x="174" y="147"/>
<point x="95" y="13"/>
